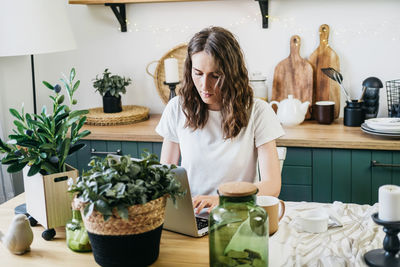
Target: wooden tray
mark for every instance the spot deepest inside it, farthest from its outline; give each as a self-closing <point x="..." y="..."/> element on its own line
<point x="179" y="52"/>
<point x="128" y="115"/>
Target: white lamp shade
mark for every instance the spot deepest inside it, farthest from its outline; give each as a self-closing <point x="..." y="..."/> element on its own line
<point x="33" y="27"/>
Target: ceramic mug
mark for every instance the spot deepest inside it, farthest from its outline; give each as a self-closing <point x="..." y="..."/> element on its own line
<point x="275" y="213"/>
<point x="324" y="111"/>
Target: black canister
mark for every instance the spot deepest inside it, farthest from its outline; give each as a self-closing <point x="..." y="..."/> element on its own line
<point x="353" y="113"/>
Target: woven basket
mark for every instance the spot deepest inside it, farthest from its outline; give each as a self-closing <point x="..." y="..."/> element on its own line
<point x="179" y="52"/>
<point x="142" y="218"/>
<point x="128" y="115"/>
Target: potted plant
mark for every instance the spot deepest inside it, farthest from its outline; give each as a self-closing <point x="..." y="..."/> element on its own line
<point x="123" y="205"/>
<point x="110" y="87"/>
<point x="40" y="146"/>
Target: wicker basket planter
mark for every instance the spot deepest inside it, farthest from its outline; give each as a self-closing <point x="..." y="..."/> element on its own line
<point x="132" y="242"/>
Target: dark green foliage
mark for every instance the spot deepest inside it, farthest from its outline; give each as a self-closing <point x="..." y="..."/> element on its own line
<point x="122" y="182"/>
<point x="43" y="141"/>
<point x="114" y="85"/>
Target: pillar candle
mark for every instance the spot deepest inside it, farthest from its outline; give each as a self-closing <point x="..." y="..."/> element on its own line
<point x="171" y="70"/>
<point x="389" y="203"/>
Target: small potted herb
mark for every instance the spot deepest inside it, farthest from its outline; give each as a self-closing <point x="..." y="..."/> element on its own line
<point x="123" y="205"/>
<point x="110" y="88"/>
<point x="40" y="146"/>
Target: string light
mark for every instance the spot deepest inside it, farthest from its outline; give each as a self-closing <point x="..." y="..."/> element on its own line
<point x="343" y="33"/>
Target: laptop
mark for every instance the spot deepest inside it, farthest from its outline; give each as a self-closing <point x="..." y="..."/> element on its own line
<point x="182" y="219"/>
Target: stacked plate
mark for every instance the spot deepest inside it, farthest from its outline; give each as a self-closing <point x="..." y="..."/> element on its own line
<point x="382" y="126"/>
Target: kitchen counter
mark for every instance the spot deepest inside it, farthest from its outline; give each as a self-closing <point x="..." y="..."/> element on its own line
<point x="307" y="134"/>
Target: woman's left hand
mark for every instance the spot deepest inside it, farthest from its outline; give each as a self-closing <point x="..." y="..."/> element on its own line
<point x="201" y="202"/>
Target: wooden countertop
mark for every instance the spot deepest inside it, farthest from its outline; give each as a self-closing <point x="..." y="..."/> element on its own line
<point x="175" y="249"/>
<point x="307" y="134"/>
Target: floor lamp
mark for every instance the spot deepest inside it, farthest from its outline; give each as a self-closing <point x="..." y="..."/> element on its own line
<point x="30" y="27"/>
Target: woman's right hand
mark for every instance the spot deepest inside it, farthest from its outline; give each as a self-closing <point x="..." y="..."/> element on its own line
<point x="201" y="202"/>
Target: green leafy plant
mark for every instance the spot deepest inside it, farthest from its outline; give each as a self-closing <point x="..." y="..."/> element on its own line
<point x="44" y="141"/>
<point x="118" y="183"/>
<point x="111" y="85"/>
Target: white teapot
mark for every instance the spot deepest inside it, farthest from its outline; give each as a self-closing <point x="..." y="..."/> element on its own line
<point x="291" y="111"/>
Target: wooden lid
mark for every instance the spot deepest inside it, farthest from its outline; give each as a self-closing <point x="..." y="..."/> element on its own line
<point x="237" y="189"/>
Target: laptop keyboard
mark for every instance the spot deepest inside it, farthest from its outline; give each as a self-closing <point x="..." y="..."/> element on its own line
<point x="201" y="223"/>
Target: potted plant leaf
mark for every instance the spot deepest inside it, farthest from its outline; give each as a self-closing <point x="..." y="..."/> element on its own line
<point x="40" y="146"/>
<point x="123" y="203"/>
<point x="110" y="88"/>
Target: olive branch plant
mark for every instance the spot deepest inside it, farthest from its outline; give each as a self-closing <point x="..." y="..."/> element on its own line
<point x="44" y="141"/>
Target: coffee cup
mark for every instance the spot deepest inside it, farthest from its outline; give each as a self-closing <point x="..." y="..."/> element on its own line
<point x="324" y="111"/>
<point x="275" y="209"/>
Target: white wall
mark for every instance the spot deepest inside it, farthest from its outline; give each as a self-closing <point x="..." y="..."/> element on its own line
<point x="364" y="33"/>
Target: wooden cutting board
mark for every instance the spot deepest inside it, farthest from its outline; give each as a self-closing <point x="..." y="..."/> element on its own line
<point x="325" y="57"/>
<point x="293" y="76"/>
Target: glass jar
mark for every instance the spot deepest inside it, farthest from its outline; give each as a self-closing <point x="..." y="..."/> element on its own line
<point x="238" y="228"/>
<point x="77" y="236"/>
<point x="259" y="84"/>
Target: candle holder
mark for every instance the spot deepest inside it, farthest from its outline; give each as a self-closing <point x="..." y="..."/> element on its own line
<point x="388" y="256"/>
<point x="172" y="87"/>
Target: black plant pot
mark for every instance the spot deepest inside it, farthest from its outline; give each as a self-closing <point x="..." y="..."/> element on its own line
<point x="126" y="250"/>
<point x="111" y="104"/>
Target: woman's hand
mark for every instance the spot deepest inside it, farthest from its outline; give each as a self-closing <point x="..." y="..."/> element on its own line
<point x="201" y="202"/>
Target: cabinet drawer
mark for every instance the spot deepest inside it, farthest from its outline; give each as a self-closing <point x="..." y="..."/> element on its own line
<point x="296" y="193"/>
<point x="297" y="175"/>
<point x="298" y="156"/>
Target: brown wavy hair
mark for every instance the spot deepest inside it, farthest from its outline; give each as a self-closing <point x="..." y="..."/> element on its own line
<point x="235" y="90"/>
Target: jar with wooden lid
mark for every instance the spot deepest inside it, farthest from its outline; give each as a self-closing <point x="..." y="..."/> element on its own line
<point x="238" y="228"/>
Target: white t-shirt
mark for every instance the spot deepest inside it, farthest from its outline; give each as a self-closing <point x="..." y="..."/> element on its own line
<point x="208" y="158"/>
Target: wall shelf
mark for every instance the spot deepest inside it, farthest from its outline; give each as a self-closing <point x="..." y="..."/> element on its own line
<point x="118" y="8"/>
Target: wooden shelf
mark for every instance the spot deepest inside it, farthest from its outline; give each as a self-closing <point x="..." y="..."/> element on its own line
<point x="102" y="2"/>
<point x="118" y="7"/>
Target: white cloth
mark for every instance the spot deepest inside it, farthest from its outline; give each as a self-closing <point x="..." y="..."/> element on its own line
<point x="208" y="158"/>
<point x="341" y="246"/>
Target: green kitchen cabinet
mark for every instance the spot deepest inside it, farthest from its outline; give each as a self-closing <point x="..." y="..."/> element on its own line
<point x="345" y="175"/>
<point x="81" y="159"/>
<point x="309" y="174"/>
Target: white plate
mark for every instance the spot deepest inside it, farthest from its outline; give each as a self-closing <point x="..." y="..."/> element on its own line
<point x="386" y="122"/>
<point x="389" y="129"/>
<point x="368" y="130"/>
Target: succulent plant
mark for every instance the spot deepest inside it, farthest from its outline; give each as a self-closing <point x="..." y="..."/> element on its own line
<point x="44" y="141"/>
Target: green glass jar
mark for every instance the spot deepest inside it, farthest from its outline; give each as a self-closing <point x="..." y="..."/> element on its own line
<point x="77" y="236"/>
<point x="238" y="228"/>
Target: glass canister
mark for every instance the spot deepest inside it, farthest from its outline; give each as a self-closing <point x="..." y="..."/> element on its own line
<point x="76" y="234"/>
<point x="238" y="228"/>
<point x="259" y="84"/>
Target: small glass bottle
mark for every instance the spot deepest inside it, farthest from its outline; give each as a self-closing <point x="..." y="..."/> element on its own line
<point x="238" y="228"/>
<point x="77" y="236"/>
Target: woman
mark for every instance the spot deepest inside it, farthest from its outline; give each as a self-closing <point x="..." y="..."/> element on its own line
<point x="216" y="126"/>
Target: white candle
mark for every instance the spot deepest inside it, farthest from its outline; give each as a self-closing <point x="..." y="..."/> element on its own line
<point x="389" y="203"/>
<point x="171" y="70"/>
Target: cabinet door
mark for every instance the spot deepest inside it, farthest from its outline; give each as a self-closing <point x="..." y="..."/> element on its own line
<point x="81" y="159"/>
<point x="297" y="175"/>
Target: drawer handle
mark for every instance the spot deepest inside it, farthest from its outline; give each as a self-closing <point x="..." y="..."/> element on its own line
<point x="94" y="152"/>
<point x="375" y="163"/>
